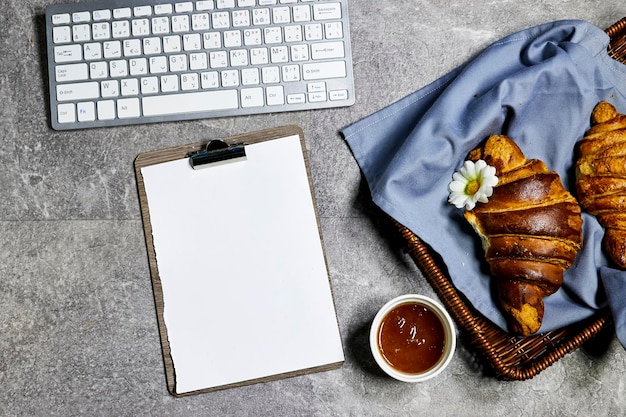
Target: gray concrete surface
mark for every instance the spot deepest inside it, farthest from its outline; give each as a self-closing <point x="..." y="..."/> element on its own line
<point x="78" y="332"/>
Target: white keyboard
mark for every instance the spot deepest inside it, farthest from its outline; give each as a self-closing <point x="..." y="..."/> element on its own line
<point x="140" y="61"/>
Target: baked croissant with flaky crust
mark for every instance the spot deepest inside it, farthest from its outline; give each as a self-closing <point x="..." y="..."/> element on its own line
<point x="601" y="177"/>
<point x="531" y="229"/>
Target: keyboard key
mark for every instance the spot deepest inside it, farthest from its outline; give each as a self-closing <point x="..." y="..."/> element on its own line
<point x="178" y="62"/>
<point x="130" y="87"/>
<point x="225" y="4"/>
<point x="132" y="47"/>
<point x="149" y="85"/>
<point x="169" y="83"/>
<point x="160" y="25"/>
<point x="62" y="34"/>
<point x="316" y="87"/>
<point x="291" y="73"/>
<point x="218" y="59"/>
<point x="98" y="70"/>
<point x="78" y="91"/>
<point x="184" y="7"/>
<point x="92" y="51"/>
<point x="120" y="29"/>
<point x="141" y="11"/>
<point x="128" y="108"/>
<point x="336" y="95"/>
<point x="251" y="97"/>
<point x="299" y="53"/>
<point x="327" y="50"/>
<point x="198" y="61"/>
<point x="296" y="98"/>
<point x="81" y="33"/>
<point x="189" y="82"/>
<point x="241" y="18"/>
<point x="101" y="31"/>
<point x="317" y="97"/>
<point x="158" y="65"/>
<point x="101" y="15"/>
<point x="281" y="15"/>
<point x="68" y="53"/>
<point x="180" y="23"/>
<point x="118" y="68"/>
<point x="112" y="49"/>
<point x="273" y="35"/>
<point x="151" y="46"/>
<point x="192" y="42"/>
<point x="72" y="72"/>
<point x="261" y="17"/>
<point x="200" y="21"/>
<point x="205" y="5"/>
<point x="110" y="88"/>
<point x="106" y="110"/>
<point x="80" y="17"/>
<point x="326" y="11"/>
<point x="122" y="13"/>
<point x="293" y="33"/>
<point x="140" y="27"/>
<point x="209" y="79"/>
<point x="232" y="38"/>
<point x="302" y="13"/>
<point x="61" y="19"/>
<point x="66" y="113"/>
<point x="230" y="78"/>
<point x="239" y="58"/>
<point x="221" y="20"/>
<point x="275" y="95"/>
<point x="252" y="37"/>
<point x="333" y="30"/>
<point x="333" y="69"/>
<point x="259" y="56"/>
<point x="190" y="102"/>
<point x="313" y="32"/>
<point x="250" y="76"/>
<point x="162" y="9"/>
<point x="171" y="44"/>
<point x="86" y="111"/>
<point x="270" y="75"/>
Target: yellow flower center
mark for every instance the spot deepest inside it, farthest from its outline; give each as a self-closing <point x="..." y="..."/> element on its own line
<point x="472" y="187"/>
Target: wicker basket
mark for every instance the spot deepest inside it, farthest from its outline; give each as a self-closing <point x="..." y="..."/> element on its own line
<point x="512" y="357"/>
<point x="617" y="46"/>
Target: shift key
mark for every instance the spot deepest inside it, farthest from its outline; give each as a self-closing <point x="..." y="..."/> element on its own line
<point x="322" y="70"/>
<point x="78" y="91"/>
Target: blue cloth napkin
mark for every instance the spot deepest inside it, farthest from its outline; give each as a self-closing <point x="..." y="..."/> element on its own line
<point x="538" y="86"/>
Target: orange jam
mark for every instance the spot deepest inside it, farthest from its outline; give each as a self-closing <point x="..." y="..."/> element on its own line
<point x="411" y="338"/>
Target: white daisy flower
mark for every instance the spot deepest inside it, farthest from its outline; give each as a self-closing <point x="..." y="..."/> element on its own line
<point x="473" y="183"/>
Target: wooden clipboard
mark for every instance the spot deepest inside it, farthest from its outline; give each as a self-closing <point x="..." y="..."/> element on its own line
<point x="332" y="359"/>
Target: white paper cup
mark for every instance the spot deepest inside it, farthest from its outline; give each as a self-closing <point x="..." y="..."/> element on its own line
<point x="449" y="335"/>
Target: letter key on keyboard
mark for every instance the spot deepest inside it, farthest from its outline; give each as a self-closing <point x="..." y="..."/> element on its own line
<point x="143" y="61"/>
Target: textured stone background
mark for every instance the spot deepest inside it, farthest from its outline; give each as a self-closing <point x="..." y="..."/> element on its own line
<point x="78" y="333"/>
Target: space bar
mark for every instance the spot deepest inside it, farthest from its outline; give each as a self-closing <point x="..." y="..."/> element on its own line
<point x="190" y="102"/>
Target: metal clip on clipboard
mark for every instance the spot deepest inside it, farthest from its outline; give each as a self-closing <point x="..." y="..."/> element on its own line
<point x="216" y="151"/>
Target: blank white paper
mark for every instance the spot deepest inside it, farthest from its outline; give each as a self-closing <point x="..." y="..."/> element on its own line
<point x="245" y="284"/>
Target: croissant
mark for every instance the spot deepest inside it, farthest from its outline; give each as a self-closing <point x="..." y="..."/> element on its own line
<point x="601" y="177"/>
<point x="531" y="229"/>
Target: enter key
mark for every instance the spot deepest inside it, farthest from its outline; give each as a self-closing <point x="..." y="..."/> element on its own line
<point x="327" y="50"/>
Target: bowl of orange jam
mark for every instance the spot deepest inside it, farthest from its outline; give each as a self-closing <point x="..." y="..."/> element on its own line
<point x="413" y="338"/>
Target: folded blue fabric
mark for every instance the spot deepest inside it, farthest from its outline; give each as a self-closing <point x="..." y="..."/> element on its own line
<point x="539" y="87"/>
